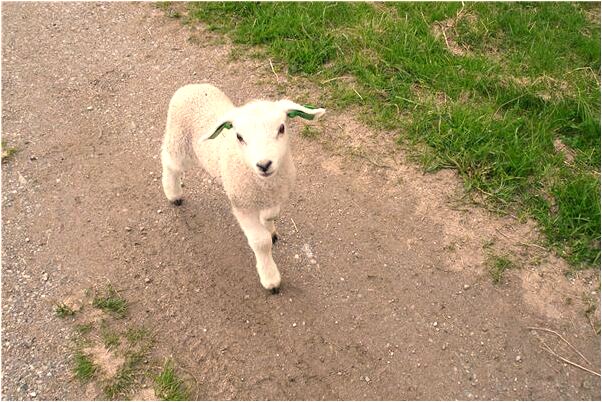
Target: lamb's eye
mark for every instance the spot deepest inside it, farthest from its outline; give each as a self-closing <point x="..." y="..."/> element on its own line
<point x="281" y="129"/>
<point x="240" y="139"/>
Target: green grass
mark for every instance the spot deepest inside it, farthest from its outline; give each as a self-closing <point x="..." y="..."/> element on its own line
<point x="168" y="386"/>
<point x="62" y="310"/>
<point x="83" y="368"/>
<point x="497" y="266"/>
<point x="110" y="301"/>
<point x="525" y="78"/>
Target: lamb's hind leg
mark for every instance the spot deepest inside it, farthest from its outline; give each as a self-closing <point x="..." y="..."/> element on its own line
<point x="171" y="178"/>
<point x="260" y="240"/>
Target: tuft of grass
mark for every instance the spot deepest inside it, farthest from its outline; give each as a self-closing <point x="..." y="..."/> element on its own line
<point x="168" y="386"/>
<point x="527" y="76"/>
<point x="309" y="132"/>
<point x="110" y="301"/>
<point x="497" y="265"/>
<point x="109" y="336"/>
<point x="62" y="310"/>
<point x="6" y="151"/>
<point x="84" y="368"/>
<point x="84" y="329"/>
<point x="137" y="335"/>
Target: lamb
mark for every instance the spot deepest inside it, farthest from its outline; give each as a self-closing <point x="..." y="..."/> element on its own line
<point x="245" y="148"/>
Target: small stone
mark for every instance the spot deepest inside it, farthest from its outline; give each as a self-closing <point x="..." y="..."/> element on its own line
<point x="466" y="286"/>
<point x="313" y="261"/>
<point x="435" y="324"/>
<point x="518" y="358"/>
<point x="89" y="108"/>
<point x="45" y="277"/>
<point x="296" y="256"/>
<point x="147" y="280"/>
<point x="443" y="347"/>
<point x="128" y="229"/>
<point x="294" y="324"/>
<point x="33" y="158"/>
<point x="159" y="211"/>
<point x="204" y="329"/>
<point x="33" y="394"/>
<point x="367" y="379"/>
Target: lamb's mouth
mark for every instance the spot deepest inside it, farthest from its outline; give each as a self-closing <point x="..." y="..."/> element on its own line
<point x="266" y="174"/>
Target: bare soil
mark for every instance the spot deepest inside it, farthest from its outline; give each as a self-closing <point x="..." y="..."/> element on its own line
<point x="397" y="304"/>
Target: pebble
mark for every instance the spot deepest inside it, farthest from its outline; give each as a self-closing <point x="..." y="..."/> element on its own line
<point x="33" y="394"/>
<point x="128" y="229"/>
<point x="294" y="324"/>
<point x="296" y="256"/>
<point x="89" y="108"/>
<point x="435" y="324"/>
<point x="147" y="280"/>
<point x="367" y="379"/>
<point x="518" y="358"/>
<point x="466" y="287"/>
<point x="159" y="211"/>
<point x="313" y="261"/>
<point x="45" y="277"/>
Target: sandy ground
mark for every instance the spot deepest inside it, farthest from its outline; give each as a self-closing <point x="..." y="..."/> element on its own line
<point x="396" y="304"/>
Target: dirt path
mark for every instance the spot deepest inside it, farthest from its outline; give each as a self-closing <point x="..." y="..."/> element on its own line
<point x="398" y="306"/>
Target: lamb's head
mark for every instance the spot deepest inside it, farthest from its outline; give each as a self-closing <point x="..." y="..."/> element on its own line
<point x="259" y="130"/>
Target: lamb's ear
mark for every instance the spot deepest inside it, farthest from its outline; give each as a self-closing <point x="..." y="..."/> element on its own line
<point x="218" y="129"/>
<point x="307" y="112"/>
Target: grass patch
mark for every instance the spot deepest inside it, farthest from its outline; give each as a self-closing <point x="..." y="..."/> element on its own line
<point x="168" y="386"/>
<point x="6" y="151"/>
<point x="497" y="265"/>
<point x="62" y="310"/>
<point x="84" y="368"/>
<point x="110" y="301"/>
<point x="526" y="77"/>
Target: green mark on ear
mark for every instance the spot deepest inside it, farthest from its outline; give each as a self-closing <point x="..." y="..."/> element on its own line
<point x="306" y="116"/>
<point x="226" y="124"/>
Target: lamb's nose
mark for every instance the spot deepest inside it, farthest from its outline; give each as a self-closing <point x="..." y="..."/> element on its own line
<point x="264" y="166"/>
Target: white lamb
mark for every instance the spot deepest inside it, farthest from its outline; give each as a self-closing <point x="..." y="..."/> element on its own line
<point x="246" y="148"/>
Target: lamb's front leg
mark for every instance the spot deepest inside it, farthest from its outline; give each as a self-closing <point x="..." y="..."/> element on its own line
<point x="260" y="240"/>
<point x="267" y="217"/>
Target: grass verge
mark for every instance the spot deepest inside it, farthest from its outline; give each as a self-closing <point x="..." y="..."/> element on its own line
<point x="508" y="94"/>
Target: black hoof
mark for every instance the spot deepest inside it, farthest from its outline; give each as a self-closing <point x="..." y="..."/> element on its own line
<point x="275" y="291"/>
<point x="274" y="238"/>
<point x="177" y="202"/>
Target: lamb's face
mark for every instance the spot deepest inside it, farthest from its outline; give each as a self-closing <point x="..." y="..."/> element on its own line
<point x="259" y="133"/>
<point x="261" y="136"/>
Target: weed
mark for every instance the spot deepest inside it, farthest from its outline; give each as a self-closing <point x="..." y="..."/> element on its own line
<point x="168" y="386"/>
<point x="84" y="368"/>
<point x="110" y="301"/>
<point x="528" y="79"/>
<point x="62" y="310"/>
<point x="497" y="266"/>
